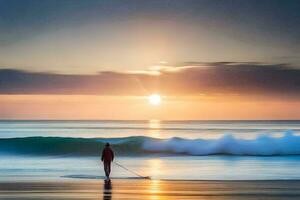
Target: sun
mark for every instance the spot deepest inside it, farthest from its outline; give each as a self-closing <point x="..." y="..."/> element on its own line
<point x="154" y="99"/>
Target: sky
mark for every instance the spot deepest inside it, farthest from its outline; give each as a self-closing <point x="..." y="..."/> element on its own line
<point x="100" y="59"/>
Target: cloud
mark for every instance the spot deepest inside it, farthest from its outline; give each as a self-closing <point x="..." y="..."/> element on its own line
<point x="191" y="78"/>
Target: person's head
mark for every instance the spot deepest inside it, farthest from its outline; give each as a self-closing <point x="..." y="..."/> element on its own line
<point x="107" y="144"/>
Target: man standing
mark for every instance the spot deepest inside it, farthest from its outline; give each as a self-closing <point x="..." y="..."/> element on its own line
<point x="107" y="158"/>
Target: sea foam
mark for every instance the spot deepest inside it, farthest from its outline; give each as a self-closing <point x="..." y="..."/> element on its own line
<point x="263" y="145"/>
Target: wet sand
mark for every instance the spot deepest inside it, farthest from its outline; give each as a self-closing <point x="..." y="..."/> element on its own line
<point x="150" y="189"/>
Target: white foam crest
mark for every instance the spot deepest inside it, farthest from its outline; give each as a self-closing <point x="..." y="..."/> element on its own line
<point x="263" y="145"/>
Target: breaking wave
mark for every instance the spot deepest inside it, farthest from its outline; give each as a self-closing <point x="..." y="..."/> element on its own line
<point x="263" y="145"/>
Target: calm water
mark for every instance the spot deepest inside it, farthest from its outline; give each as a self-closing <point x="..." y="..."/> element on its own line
<point x="192" y="154"/>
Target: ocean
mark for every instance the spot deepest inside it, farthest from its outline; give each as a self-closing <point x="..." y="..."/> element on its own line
<point x="176" y="150"/>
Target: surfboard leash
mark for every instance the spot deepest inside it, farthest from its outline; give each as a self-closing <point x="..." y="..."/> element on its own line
<point x="144" y="177"/>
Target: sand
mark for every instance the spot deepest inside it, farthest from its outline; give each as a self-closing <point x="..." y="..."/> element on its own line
<point x="150" y="189"/>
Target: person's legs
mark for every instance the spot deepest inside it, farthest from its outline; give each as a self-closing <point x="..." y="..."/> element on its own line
<point x="107" y="169"/>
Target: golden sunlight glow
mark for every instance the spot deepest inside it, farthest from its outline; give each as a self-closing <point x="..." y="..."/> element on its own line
<point x="154" y="99"/>
<point x="155" y="168"/>
<point x="154" y="128"/>
<point x="155" y="190"/>
<point x="75" y="107"/>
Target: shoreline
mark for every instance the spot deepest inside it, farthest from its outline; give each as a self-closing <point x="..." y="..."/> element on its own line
<point x="150" y="189"/>
<point x="133" y="179"/>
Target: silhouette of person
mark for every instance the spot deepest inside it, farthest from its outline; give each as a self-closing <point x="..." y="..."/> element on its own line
<point x="107" y="194"/>
<point x="107" y="157"/>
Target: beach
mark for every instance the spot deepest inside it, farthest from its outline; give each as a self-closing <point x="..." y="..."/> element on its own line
<point x="210" y="160"/>
<point x="150" y="189"/>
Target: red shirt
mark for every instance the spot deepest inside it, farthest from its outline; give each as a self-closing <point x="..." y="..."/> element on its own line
<point x="107" y="155"/>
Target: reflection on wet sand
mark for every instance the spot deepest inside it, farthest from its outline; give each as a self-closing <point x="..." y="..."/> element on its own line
<point x="155" y="189"/>
<point x="107" y="190"/>
<point x="151" y="190"/>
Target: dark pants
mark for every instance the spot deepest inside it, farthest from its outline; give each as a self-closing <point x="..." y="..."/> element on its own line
<point x="107" y="168"/>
